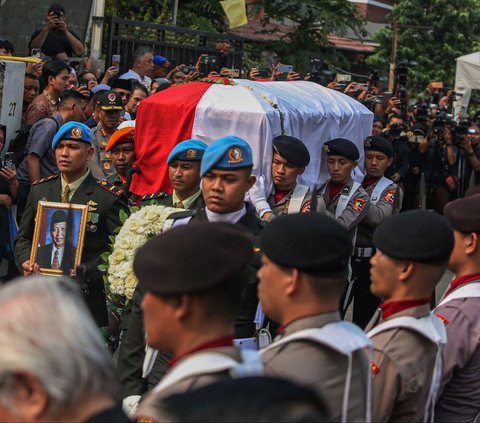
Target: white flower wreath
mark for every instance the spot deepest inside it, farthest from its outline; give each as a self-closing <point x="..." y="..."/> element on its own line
<point x="137" y="229"/>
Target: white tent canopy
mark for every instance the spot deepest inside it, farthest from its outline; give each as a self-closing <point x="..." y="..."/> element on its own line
<point x="467" y="78"/>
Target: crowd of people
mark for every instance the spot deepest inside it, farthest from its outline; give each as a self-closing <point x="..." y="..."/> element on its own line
<point x="240" y="308"/>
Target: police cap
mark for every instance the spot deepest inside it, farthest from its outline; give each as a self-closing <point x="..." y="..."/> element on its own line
<point x="463" y="214"/>
<point x="375" y="143"/>
<point x="417" y="235"/>
<point x="192" y="258"/>
<point x="341" y="147"/>
<point x="310" y="242"/>
<point x="291" y="149"/>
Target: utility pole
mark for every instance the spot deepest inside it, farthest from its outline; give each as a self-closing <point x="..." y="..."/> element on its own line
<point x="174" y="12"/>
<point x="393" y="59"/>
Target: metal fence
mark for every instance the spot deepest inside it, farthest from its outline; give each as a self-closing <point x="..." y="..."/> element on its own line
<point x="123" y="36"/>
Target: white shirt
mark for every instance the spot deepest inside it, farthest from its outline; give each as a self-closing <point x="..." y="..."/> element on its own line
<point x="131" y="74"/>
<point x="60" y="250"/>
<point x="233" y="217"/>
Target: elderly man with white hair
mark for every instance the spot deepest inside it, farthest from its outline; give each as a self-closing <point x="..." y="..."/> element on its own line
<point x="54" y="365"/>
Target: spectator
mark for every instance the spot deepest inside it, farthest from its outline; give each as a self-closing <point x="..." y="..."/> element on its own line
<point x="8" y="195"/>
<point x="72" y="80"/>
<point x="88" y="77"/>
<point x="142" y="67"/>
<point x="109" y="106"/>
<point x="139" y="93"/>
<point x="377" y="127"/>
<point x="55" y="37"/>
<point x="124" y="88"/>
<point x="40" y="160"/>
<point x="55" y="75"/>
<point x="55" y="366"/>
<point x="6" y="47"/>
<point x="160" y="66"/>
<point x="31" y="89"/>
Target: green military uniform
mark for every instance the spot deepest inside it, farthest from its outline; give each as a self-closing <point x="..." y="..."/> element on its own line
<point x="105" y="202"/>
<point x="164" y="199"/>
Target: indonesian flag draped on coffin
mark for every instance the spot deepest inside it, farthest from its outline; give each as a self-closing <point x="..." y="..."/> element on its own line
<point x="254" y="111"/>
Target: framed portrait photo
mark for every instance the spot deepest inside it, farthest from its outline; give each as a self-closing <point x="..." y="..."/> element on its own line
<point x="58" y="237"/>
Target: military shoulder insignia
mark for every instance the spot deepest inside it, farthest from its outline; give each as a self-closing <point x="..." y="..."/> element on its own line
<point x="444" y="320"/>
<point x="107" y="186"/>
<point x="359" y="204"/>
<point x="154" y="196"/>
<point x="48" y="178"/>
<point x="389" y="196"/>
<point x="374" y="368"/>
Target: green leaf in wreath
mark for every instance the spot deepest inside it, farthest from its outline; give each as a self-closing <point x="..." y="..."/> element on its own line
<point x="123" y="215"/>
<point x="102" y="267"/>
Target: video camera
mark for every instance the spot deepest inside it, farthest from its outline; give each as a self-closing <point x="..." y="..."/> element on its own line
<point x="319" y="71"/>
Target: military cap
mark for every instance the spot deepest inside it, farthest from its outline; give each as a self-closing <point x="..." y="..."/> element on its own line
<point x="227" y="153"/>
<point x="125" y="84"/>
<point x="376" y="143"/>
<point x="417" y="235"/>
<point x="310" y="242"/>
<point x="110" y="100"/>
<point x="341" y="147"/>
<point x="125" y="134"/>
<point x="192" y="258"/>
<point x="291" y="149"/>
<point x="101" y="87"/>
<point x="463" y="214"/>
<point x="74" y="131"/>
<point x="188" y="150"/>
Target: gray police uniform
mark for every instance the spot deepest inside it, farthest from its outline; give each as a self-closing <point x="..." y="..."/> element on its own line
<point x="384" y="202"/>
<point x="283" y="206"/>
<point x="355" y="209"/>
<point x="321" y="368"/>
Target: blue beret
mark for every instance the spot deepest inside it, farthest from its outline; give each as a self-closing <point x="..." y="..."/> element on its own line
<point x="341" y="147"/>
<point x="227" y="153"/>
<point x="189" y="150"/>
<point x="75" y="131"/>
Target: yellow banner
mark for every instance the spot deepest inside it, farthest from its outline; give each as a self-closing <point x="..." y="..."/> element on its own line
<point x="236" y="12"/>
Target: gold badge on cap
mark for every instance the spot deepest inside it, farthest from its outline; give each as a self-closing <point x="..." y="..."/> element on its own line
<point x="76" y="133"/>
<point x="368" y="142"/>
<point x="106" y="165"/>
<point x="112" y="97"/>
<point x="235" y="155"/>
<point x="191" y="153"/>
<point x="326" y="148"/>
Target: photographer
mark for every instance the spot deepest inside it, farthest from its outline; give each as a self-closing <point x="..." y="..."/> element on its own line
<point x="471" y="146"/>
<point x="439" y="160"/>
<point x="394" y="132"/>
<point x="55" y="37"/>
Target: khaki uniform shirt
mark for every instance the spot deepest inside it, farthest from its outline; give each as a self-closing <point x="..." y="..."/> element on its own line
<point x="101" y="162"/>
<point x="402" y="369"/>
<point x="355" y="211"/>
<point x="281" y="207"/>
<point x="320" y="368"/>
<point x="151" y="406"/>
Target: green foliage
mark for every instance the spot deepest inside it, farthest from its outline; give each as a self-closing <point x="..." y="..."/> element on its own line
<point x="453" y="30"/>
<point x="314" y="20"/>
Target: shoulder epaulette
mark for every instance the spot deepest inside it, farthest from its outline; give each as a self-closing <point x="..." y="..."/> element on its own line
<point x="48" y="178"/>
<point x="155" y="196"/>
<point x="183" y="214"/>
<point x="107" y="186"/>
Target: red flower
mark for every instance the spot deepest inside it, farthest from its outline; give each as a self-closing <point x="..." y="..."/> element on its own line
<point x="226" y="81"/>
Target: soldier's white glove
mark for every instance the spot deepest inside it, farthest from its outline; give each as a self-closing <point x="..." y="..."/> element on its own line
<point x="258" y="197"/>
<point x="130" y="404"/>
